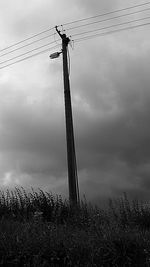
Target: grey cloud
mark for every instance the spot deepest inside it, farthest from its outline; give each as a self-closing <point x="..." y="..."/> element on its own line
<point x="118" y="128"/>
<point x="96" y="7"/>
<point x="37" y="16"/>
<point x="110" y="92"/>
<point x="33" y="134"/>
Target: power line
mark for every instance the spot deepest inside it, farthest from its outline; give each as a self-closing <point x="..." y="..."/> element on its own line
<point x="27" y="45"/>
<point x="109" y="32"/>
<point x="75" y="21"/>
<point x="36" y="54"/>
<point x="26" y="53"/>
<point x="79" y="40"/>
<point x="75" y="28"/>
<point x="24" y="40"/>
<point x="113" y="25"/>
<point x="107" y="19"/>
<point x="78" y="34"/>
<point x="107" y="13"/>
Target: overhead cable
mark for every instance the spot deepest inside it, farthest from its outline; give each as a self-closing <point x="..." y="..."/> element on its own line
<point x="107" y="13"/>
<point x="24" y="40"/>
<point x="111" y="26"/>
<point x="18" y="48"/>
<point x="75" y="21"/>
<point x="109" y="32"/>
<point x="88" y="34"/>
<point x="26" y="53"/>
<point x="76" y="41"/>
<point x="25" y="58"/>
<point x="107" y="19"/>
<point x="95" y="22"/>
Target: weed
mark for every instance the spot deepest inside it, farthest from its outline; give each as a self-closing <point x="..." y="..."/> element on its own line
<point x="40" y="229"/>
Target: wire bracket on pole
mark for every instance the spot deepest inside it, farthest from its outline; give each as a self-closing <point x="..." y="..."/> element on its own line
<point x="63" y="36"/>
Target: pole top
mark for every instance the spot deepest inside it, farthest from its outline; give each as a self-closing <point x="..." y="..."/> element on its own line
<point x="63" y="36"/>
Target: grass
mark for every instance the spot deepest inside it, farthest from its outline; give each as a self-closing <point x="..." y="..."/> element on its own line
<point x="40" y="229"/>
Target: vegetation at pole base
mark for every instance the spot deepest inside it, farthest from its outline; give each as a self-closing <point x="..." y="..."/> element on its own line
<point x="39" y="229"/>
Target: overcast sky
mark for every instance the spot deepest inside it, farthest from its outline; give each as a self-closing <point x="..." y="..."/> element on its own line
<point x="110" y="87"/>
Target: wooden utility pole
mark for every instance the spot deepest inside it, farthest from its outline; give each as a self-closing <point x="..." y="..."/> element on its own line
<point x="71" y="155"/>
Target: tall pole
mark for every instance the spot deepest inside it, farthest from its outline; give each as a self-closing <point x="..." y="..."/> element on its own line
<point x="71" y="155"/>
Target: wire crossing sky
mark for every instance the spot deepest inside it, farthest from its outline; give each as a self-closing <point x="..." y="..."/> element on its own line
<point x="86" y="34"/>
<point x="107" y="13"/>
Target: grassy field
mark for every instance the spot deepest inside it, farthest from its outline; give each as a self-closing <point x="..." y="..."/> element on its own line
<point x="39" y="229"/>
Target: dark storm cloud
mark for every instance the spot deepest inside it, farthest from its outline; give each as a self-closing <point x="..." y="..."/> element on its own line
<point x="34" y="129"/>
<point x="110" y="91"/>
<point x="114" y="128"/>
